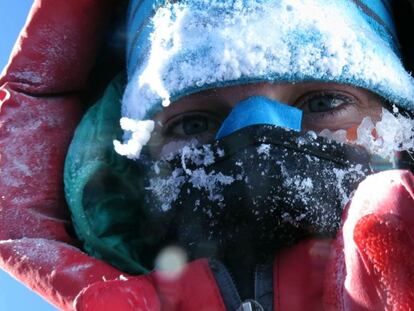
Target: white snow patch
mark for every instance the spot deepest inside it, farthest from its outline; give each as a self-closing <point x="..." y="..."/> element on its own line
<point x="139" y="135"/>
<point x="220" y="153"/>
<point x="211" y="182"/>
<point x="263" y="149"/>
<point x="197" y="155"/>
<point x="341" y="174"/>
<point x="384" y="138"/>
<point x="167" y="189"/>
<point x="337" y="136"/>
<point x="303" y="186"/>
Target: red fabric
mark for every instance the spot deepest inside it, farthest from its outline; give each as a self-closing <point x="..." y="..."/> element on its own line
<point x="40" y="107"/>
<point x="299" y="274"/>
<point x="55" y="270"/>
<point x="372" y="267"/>
<point x="192" y="289"/>
<point x="57" y="47"/>
<point x="134" y="294"/>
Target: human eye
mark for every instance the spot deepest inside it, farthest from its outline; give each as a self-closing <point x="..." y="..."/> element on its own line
<point x="330" y="110"/>
<point x="322" y="102"/>
<point x="327" y="102"/>
<point x="197" y="124"/>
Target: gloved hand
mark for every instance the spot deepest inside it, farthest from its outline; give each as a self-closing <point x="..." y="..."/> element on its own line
<point x="40" y="93"/>
<point x="373" y="263"/>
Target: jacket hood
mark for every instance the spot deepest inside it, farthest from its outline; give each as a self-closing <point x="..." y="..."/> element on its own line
<point x="103" y="190"/>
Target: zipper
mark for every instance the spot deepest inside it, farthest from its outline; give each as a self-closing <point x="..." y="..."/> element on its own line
<point x="226" y="284"/>
<point x="263" y="288"/>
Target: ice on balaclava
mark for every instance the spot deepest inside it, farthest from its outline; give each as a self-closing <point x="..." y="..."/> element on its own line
<point x="392" y="133"/>
<point x="167" y="189"/>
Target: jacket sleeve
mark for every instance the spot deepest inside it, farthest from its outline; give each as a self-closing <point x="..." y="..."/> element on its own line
<point x="373" y="264"/>
<point x="40" y="106"/>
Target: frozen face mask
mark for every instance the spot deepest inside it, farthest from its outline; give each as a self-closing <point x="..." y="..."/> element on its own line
<point x="261" y="186"/>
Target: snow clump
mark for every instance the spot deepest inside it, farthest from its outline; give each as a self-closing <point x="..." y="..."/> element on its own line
<point x="167" y="189"/>
<point x="393" y="133"/>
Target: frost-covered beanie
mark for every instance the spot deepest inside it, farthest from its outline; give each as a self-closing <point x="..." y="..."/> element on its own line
<point x="176" y="48"/>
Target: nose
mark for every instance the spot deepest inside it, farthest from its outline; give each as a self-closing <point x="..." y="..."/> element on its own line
<point x="261" y="110"/>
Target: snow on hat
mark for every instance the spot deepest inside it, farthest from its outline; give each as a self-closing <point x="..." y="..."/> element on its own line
<point x="176" y="48"/>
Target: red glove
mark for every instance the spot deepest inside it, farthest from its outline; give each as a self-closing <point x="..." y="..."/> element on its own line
<point x="40" y="108"/>
<point x="373" y="266"/>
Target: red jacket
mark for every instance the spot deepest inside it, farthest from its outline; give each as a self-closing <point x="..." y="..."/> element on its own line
<point x="371" y="267"/>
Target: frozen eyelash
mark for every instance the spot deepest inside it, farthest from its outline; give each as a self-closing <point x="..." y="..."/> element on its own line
<point x="347" y="98"/>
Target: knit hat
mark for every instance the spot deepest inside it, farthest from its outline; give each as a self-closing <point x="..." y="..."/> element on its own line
<point x="177" y="48"/>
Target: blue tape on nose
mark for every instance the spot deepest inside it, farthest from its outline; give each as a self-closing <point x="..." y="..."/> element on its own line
<point x="261" y="110"/>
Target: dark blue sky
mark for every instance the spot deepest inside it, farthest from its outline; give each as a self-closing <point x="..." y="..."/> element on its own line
<point x="13" y="295"/>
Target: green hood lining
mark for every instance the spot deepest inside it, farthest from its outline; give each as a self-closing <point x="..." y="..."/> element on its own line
<point x="104" y="190"/>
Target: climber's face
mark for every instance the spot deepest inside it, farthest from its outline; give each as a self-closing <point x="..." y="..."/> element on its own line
<point x="197" y="117"/>
<point x="261" y="181"/>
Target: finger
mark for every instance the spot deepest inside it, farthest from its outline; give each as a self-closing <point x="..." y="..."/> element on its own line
<point x="387" y="250"/>
<point x="353" y="283"/>
<point x="126" y="295"/>
<point x="55" y="270"/>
